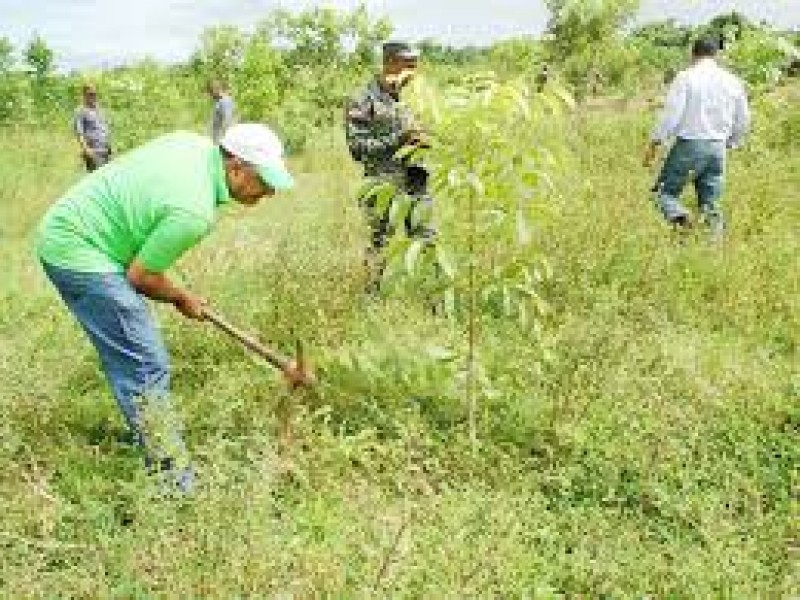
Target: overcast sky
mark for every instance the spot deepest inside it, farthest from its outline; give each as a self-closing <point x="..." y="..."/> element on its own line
<point x="96" y="32"/>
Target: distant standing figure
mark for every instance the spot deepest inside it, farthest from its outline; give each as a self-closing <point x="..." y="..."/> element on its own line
<point x="707" y="112"/>
<point x="222" y="116"/>
<point x="91" y="128"/>
<point x="543" y="77"/>
<point x="594" y="81"/>
<point x="793" y="69"/>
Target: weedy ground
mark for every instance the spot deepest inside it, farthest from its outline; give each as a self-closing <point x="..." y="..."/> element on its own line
<point x="652" y="451"/>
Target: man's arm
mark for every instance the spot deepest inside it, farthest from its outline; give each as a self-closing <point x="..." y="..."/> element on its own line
<point x="741" y="119"/>
<point x="671" y="117"/>
<point x="80" y="133"/>
<point x="160" y="288"/>
<point x="175" y="235"/>
<point x="106" y="129"/>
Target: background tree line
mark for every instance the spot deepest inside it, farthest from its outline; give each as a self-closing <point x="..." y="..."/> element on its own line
<point x="294" y="69"/>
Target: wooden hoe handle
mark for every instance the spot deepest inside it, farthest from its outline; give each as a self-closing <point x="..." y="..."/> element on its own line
<point x="274" y="358"/>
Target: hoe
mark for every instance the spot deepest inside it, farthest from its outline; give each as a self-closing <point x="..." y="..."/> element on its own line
<point x="273" y="357"/>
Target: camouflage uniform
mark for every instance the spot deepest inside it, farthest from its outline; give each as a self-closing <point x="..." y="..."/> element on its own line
<point x="377" y="124"/>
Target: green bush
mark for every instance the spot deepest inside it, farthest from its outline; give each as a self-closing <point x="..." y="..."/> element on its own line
<point x="759" y="56"/>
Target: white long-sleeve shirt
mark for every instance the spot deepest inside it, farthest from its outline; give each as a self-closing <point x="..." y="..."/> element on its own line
<point x="705" y="102"/>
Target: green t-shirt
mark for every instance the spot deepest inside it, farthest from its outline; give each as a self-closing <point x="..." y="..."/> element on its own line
<point x="151" y="204"/>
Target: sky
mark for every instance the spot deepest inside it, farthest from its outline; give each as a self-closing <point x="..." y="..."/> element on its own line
<point x="86" y="33"/>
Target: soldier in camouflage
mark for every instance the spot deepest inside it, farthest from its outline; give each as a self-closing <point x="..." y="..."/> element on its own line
<point x="378" y="125"/>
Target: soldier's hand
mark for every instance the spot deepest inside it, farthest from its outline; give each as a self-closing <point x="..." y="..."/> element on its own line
<point x="399" y="80"/>
<point x="416" y="137"/>
<point x="405" y="76"/>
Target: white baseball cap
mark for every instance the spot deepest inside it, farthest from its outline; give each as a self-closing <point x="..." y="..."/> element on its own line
<point x="258" y="145"/>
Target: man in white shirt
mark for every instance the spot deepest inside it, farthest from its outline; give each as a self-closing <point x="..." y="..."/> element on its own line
<point x="706" y="111"/>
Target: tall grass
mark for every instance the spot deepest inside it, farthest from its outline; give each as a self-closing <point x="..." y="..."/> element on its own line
<point x="654" y="452"/>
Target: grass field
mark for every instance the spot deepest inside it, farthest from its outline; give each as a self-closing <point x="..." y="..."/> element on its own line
<point x="655" y="454"/>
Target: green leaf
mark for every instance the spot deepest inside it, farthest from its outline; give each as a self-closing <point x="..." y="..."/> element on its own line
<point x="450" y="302"/>
<point x="476" y="184"/>
<point x="542" y="307"/>
<point x="530" y="178"/>
<point x="382" y="193"/>
<point x="453" y="178"/>
<point x="444" y="262"/>
<point x="441" y="354"/>
<point x="522" y="315"/>
<point x="508" y="304"/>
<point x="413" y="255"/>
<point x="405" y="151"/>
<point x="522" y="104"/>
<point x="549" y="185"/>
<point x="399" y="210"/>
<point x="552" y="104"/>
<point x="524" y="234"/>
<point x="565" y="97"/>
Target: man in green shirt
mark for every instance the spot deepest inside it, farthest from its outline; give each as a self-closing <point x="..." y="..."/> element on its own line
<point x="107" y="243"/>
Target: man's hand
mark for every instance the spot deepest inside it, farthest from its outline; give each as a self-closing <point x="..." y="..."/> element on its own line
<point x="191" y="306"/>
<point x="399" y="80"/>
<point x="86" y="151"/>
<point x="416" y="137"/>
<point x="650" y="154"/>
<point x="297" y="376"/>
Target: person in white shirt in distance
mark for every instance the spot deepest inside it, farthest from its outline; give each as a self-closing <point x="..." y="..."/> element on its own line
<point x="706" y="112"/>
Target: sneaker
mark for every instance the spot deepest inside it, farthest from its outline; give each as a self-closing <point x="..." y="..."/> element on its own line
<point x="681" y="222"/>
<point x="171" y="479"/>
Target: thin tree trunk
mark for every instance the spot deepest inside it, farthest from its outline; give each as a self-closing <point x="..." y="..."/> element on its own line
<point x="473" y="326"/>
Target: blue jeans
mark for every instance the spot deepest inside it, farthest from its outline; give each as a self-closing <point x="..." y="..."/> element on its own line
<point x="118" y="322"/>
<point x="704" y="162"/>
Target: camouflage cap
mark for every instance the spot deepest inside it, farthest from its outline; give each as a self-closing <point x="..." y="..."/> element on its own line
<point x="401" y="50"/>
